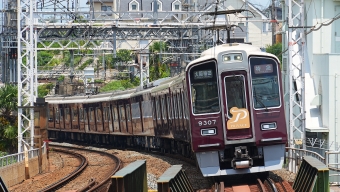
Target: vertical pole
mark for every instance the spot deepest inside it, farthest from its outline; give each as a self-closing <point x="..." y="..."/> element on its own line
<point x="273" y="23"/>
<point x="247" y="35"/>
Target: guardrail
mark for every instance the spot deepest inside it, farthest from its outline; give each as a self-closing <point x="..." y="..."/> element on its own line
<point x="18" y="157"/>
<point x="313" y="175"/>
<point x="174" y="179"/>
<point x="130" y="178"/>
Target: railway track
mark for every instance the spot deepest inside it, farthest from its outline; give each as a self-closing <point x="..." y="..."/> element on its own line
<point x="96" y="177"/>
<point x="253" y="183"/>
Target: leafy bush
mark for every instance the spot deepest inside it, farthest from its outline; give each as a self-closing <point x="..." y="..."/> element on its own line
<point x="44" y="89"/>
<point x="275" y="49"/>
<point x="44" y="57"/>
<point x="117" y="85"/>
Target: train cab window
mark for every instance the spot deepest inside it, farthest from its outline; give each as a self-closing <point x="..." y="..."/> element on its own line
<point x="98" y="114"/>
<point x="204" y="88"/>
<point x="81" y="114"/>
<point x="91" y="114"/>
<point x="235" y="92"/>
<point x="265" y="83"/>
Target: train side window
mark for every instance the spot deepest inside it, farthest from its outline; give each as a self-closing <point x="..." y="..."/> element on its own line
<point x="163" y="108"/>
<point x="168" y="106"/>
<point x="81" y="114"/>
<point x="158" y="109"/>
<point x="50" y="115"/>
<point x="135" y="110"/>
<point x="85" y="115"/>
<point x="184" y="105"/>
<point x="67" y="114"/>
<point x="122" y="113"/>
<point x="235" y="92"/>
<point x="154" y="111"/>
<point x="91" y="115"/>
<point x="179" y="106"/>
<point x="106" y="114"/>
<point x="175" y="107"/>
<point x="74" y="112"/>
<point x="115" y="113"/>
<point x="147" y="109"/>
<point x="128" y="115"/>
<point x="98" y="114"/>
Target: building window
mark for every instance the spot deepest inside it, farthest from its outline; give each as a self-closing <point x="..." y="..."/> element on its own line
<point x="159" y="6"/>
<point x="176" y="6"/>
<point x="267" y="27"/>
<point x="106" y="8"/>
<point x="133" y="6"/>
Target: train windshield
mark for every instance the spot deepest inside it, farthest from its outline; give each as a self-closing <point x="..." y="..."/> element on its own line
<point x="234" y="86"/>
<point x="204" y="89"/>
<point x="265" y="83"/>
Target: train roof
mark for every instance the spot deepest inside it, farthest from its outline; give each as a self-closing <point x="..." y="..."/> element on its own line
<point x="214" y="51"/>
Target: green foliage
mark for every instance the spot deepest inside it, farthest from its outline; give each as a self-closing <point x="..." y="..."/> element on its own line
<point x="117" y="85"/>
<point x="275" y="49"/>
<point x="44" y="57"/>
<point x="85" y="64"/>
<point x="8" y="119"/>
<point x="98" y="81"/>
<point x="61" y="78"/>
<point x="157" y="69"/>
<point x="44" y="89"/>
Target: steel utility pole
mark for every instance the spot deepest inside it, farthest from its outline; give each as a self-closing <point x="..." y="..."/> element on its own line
<point x="273" y="22"/>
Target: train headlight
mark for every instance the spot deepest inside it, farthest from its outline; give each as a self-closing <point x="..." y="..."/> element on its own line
<point x="268" y="126"/>
<point x="232" y="57"/>
<point x="208" y="131"/>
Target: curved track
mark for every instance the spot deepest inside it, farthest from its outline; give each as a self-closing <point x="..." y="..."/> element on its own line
<point x="73" y="174"/>
<point x="95" y="182"/>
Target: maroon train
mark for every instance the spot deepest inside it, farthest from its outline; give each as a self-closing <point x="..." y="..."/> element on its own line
<point x="226" y="111"/>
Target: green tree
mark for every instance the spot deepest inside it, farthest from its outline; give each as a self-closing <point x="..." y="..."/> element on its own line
<point x="157" y="68"/>
<point x="8" y="118"/>
<point x="275" y="49"/>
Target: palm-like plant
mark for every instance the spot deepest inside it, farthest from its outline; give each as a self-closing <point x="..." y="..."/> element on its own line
<point x="158" y="69"/>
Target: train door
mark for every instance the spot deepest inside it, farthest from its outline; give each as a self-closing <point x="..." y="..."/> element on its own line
<point x="236" y="105"/>
<point x="136" y="118"/>
<point x="165" y="128"/>
<point x="67" y="117"/>
<point x="61" y="117"/>
<point x="147" y="110"/>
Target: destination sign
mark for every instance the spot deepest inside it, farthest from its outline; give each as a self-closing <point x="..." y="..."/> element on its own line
<point x="203" y="74"/>
<point x="261" y="69"/>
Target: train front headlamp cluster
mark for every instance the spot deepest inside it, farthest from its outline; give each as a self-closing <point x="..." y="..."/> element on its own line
<point x="232" y="57"/>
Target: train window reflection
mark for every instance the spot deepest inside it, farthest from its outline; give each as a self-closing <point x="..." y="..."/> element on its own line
<point x="265" y="84"/>
<point x="204" y="88"/>
<point x="234" y="86"/>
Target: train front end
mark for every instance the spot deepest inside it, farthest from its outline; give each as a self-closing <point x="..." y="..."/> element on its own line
<point x="237" y="114"/>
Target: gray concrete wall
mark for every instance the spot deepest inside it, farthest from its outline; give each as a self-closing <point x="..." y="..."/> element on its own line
<point x="15" y="173"/>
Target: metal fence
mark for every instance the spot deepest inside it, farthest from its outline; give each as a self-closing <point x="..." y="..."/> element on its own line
<point x="18" y="157"/>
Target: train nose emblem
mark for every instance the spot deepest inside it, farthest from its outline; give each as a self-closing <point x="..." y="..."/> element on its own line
<point x="240" y="119"/>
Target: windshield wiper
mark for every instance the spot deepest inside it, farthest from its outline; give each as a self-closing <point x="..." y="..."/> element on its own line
<point x="259" y="100"/>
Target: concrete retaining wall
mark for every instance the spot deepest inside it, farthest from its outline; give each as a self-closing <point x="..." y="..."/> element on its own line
<point x="15" y="173"/>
